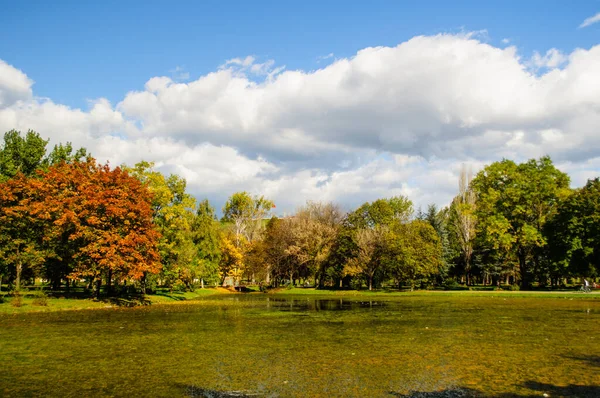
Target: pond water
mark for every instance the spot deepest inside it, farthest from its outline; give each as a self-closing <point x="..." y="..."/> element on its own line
<point x="497" y="346"/>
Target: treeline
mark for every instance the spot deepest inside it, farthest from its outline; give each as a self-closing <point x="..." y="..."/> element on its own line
<point x="70" y="221"/>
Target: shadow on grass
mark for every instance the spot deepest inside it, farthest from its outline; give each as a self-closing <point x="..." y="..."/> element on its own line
<point x="449" y="393"/>
<point x="199" y="392"/>
<point x="542" y="390"/>
<point x="593" y="360"/>
<point x="172" y="296"/>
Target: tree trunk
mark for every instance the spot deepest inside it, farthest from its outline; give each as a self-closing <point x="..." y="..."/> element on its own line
<point x="523" y="269"/>
<point x="98" y="286"/>
<point x="18" y="280"/>
<point x="370" y="282"/>
<point x="109" y="282"/>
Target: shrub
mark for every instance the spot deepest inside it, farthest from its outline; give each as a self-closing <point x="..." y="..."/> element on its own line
<point x="17" y="300"/>
<point x="40" y="298"/>
<point x="451" y="284"/>
<point x="515" y="288"/>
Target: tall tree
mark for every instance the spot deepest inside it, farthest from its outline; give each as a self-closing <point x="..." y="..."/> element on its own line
<point x="464" y="219"/>
<point x="207" y="238"/>
<point x="173" y="211"/>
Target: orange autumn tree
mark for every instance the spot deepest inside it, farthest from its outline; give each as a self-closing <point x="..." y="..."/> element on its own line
<point x="101" y="222"/>
<point x="21" y="232"/>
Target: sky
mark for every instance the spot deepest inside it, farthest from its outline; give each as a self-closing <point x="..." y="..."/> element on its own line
<point x="326" y="101"/>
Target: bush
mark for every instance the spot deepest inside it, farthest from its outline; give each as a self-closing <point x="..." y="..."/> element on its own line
<point x="17" y="300"/>
<point x="451" y="284"/>
<point x="515" y="288"/>
<point x="498" y="289"/>
<point x="40" y="298"/>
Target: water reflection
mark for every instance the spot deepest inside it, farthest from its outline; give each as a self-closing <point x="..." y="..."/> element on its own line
<point x="323" y="304"/>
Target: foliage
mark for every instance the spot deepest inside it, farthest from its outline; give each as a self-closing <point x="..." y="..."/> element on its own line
<point x="21" y="154"/>
<point x="206" y="235"/>
<point x="574" y="233"/>
<point x="246" y="213"/>
<point x="173" y="214"/>
<point x="372" y="246"/>
<point x="230" y="264"/>
<point x="513" y="204"/>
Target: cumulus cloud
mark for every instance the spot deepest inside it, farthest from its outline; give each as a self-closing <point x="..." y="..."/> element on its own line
<point x="14" y="85"/>
<point x="387" y="121"/>
<point x="590" y="21"/>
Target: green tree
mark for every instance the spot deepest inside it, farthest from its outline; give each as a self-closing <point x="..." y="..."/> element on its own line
<point x="173" y="210"/>
<point x="414" y="252"/>
<point x="574" y="234"/>
<point x="513" y="204"/>
<point x="64" y="153"/>
<point x="21" y="154"/>
<point x="207" y="238"/>
<point x="381" y="212"/>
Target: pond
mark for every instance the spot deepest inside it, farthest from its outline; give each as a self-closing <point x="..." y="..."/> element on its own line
<point x="254" y="345"/>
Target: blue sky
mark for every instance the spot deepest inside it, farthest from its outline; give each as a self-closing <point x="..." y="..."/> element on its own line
<point x="80" y="50"/>
<point x="331" y="100"/>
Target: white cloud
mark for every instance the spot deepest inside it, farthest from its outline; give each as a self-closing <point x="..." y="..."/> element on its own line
<point x="179" y="74"/>
<point x="14" y="85"/>
<point x="590" y="21"/>
<point x="553" y="59"/>
<point x="387" y="121"/>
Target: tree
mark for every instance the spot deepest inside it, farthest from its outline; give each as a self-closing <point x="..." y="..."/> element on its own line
<point x="372" y="247"/>
<point x="279" y="263"/>
<point x="574" y="234"/>
<point x="381" y="212"/>
<point x="173" y="213"/>
<point x="313" y="231"/>
<point x="21" y="154"/>
<point x="414" y="253"/>
<point x="21" y="232"/>
<point x="464" y="220"/>
<point x="64" y="153"/>
<point x="107" y="217"/>
<point x="80" y="218"/>
<point x="513" y="204"/>
<point x="246" y="213"/>
<point x="207" y="238"/>
<point x="231" y="263"/>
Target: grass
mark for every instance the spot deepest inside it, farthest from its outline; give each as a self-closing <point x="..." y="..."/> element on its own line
<point x="35" y="301"/>
<point x="299" y="344"/>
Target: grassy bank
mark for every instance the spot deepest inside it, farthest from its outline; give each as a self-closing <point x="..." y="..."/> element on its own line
<point x="30" y="302"/>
